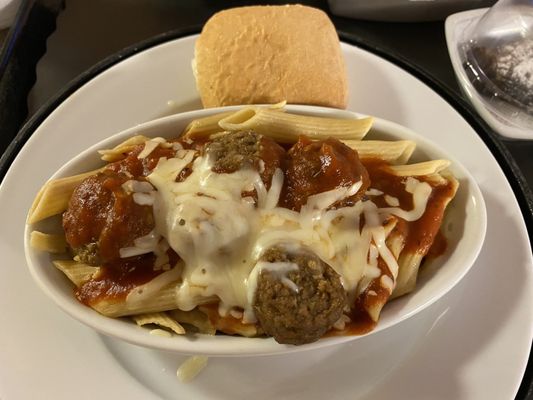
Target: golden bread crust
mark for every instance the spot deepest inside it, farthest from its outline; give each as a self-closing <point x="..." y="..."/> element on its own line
<point x="267" y="54"/>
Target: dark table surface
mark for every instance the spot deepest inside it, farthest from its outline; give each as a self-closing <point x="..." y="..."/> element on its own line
<point x="82" y="33"/>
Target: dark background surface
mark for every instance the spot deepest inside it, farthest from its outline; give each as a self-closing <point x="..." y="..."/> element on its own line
<point x="89" y="31"/>
<point x="82" y="33"/>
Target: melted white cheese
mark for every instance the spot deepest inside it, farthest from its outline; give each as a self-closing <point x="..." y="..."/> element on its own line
<point x="144" y="199"/>
<point x="206" y="222"/>
<point x="150" y="145"/>
<point x="142" y="293"/>
<point x="142" y="245"/>
<point x="191" y="368"/>
<point x="392" y="201"/>
<point x="420" y="192"/>
<point x="221" y="236"/>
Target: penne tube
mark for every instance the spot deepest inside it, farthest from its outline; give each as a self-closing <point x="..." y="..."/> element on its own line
<point x="438" y="179"/>
<point x="118" y="152"/>
<point x="200" y="266"/>
<point x="48" y="242"/>
<point x="54" y="196"/>
<point x="195" y="318"/>
<point x="380" y="289"/>
<point x="286" y="128"/>
<point x="419" y="169"/>
<point x="389" y="225"/>
<point x="77" y="273"/>
<point x="395" y="242"/>
<point x="161" y="319"/>
<point x="164" y="300"/>
<point x="409" y="264"/>
<point x="377" y="295"/>
<point x="374" y="310"/>
<point x="443" y="178"/>
<point x="396" y="152"/>
<point x="205" y="126"/>
<point x="229" y="324"/>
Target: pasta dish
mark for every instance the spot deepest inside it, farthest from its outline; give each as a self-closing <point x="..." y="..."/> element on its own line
<point x="255" y="222"/>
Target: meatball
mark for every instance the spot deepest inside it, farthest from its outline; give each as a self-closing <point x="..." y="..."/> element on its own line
<point x="298" y="306"/>
<point x="102" y="217"/>
<point x="236" y="150"/>
<point x="318" y="166"/>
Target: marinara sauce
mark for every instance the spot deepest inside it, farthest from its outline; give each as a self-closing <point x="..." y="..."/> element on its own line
<point x="100" y="211"/>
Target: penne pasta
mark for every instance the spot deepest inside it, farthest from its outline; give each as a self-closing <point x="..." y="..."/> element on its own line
<point x="409" y="264"/>
<point x="396" y="242"/>
<point x="54" y="196"/>
<point x="229" y="324"/>
<point x="286" y="128"/>
<point x="396" y="152"/>
<point x="379" y="293"/>
<point x="118" y="152"/>
<point x="77" y="273"/>
<point x="222" y="230"/>
<point x="372" y="295"/>
<point x="443" y="178"/>
<point x="195" y="318"/>
<point x="206" y="126"/>
<point x="389" y="225"/>
<point x="374" y="308"/>
<point x="50" y="243"/>
<point x="419" y="169"/>
<point x="164" y="300"/>
<point x="161" y="319"/>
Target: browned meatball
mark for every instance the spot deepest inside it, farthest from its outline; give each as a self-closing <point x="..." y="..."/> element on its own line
<point x="302" y="316"/>
<point x="318" y="166"/>
<point x="237" y="150"/>
<point x="102" y="217"/>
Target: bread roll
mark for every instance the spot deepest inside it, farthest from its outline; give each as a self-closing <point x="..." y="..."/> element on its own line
<point x="267" y="54"/>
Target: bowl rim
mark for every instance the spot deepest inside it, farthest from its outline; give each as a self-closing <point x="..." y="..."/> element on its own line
<point x="241" y="346"/>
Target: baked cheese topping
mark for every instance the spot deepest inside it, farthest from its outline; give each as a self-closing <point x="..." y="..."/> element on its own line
<point x="221" y="235"/>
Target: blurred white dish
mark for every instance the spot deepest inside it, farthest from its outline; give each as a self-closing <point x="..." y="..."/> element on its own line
<point x="458" y="28"/>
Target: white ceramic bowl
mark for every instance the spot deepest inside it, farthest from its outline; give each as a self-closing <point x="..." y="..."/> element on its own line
<point x="464" y="226"/>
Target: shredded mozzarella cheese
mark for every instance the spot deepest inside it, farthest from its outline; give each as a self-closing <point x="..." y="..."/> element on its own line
<point x="149" y="146"/>
<point x="191" y="368"/>
<point x="221" y="236"/>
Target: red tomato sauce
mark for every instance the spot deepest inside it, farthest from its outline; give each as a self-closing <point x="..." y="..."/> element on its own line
<point x="101" y="211"/>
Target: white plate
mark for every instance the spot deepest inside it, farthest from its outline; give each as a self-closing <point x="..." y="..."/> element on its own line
<point x="472" y="344"/>
<point x="457" y="28"/>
